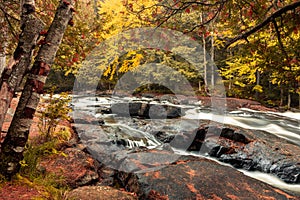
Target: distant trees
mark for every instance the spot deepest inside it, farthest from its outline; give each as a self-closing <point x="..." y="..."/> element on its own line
<point x="256" y="43"/>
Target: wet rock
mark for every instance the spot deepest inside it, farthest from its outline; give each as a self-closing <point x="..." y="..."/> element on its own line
<point x="126" y="109"/>
<point x="75" y="166"/>
<point x="163" y="136"/>
<point x="104" y="110"/>
<point x="169" y="98"/>
<point x="233" y="135"/>
<point x="99" y="193"/>
<point x="148" y="95"/>
<point x="173" y="112"/>
<point x="83" y="118"/>
<point x="215" y="150"/>
<point x="191" y="177"/>
<point x="165" y="147"/>
<point x="243" y="149"/>
<point x="260" y="156"/>
<point x="146" y="110"/>
<point x="100" y="122"/>
<point x="289" y="172"/>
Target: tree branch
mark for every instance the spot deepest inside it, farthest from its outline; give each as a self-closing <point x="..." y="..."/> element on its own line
<point x="269" y="19"/>
<point x="279" y="39"/>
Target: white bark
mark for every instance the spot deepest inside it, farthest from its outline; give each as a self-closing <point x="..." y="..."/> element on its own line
<point x="204" y="58"/>
<point x="3" y="44"/>
<point x="212" y="58"/>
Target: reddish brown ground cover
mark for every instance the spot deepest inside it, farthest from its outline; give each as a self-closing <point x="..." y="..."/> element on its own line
<point x="76" y="167"/>
<point x="14" y="191"/>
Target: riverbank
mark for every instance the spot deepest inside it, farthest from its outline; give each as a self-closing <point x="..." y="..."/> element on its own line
<point x="230" y="103"/>
<point x="187" y="177"/>
<point x="63" y="171"/>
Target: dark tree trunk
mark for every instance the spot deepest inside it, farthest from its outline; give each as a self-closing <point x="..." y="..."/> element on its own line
<point x="15" y="71"/>
<point x="257" y="83"/>
<point x="289" y="102"/>
<point x="281" y="96"/>
<point x="16" y="139"/>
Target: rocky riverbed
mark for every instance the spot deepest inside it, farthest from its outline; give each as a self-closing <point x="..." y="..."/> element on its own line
<point x="164" y="153"/>
<point x="154" y="151"/>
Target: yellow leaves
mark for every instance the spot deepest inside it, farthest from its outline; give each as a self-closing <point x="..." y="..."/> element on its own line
<point x="24" y="180"/>
<point x="258" y="88"/>
<point x="128" y="62"/>
<point x="219" y="43"/>
<point x="132" y="61"/>
<point x="23" y="163"/>
<point x="136" y="62"/>
<point x="239" y="84"/>
<point x="125" y="66"/>
<point x="107" y="71"/>
<point x="118" y="16"/>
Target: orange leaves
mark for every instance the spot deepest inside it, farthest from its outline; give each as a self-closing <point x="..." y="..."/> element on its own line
<point x="295" y="30"/>
<point x="43" y="32"/>
<point x="75" y="58"/>
<point x="204" y="33"/>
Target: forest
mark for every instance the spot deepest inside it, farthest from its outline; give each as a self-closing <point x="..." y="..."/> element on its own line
<point x="251" y="48"/>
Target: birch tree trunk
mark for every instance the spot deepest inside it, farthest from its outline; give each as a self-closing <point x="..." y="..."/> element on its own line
<point x="17" y="136"/>
<point x="16" y="69"/>
<point x="212" y="57"/>
<point x="204" y="59"/>
<point x="3" y="44"/>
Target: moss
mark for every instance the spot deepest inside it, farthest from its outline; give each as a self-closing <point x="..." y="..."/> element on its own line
<point x="51" y="140"/>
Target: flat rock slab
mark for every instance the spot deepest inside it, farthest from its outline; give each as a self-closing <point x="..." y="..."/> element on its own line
<point x="98" y="193"/>
<point x="198" y="178"/>
<point x="242" y="148"/>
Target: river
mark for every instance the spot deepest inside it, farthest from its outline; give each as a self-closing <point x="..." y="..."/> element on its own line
<point x="136" y="131"/>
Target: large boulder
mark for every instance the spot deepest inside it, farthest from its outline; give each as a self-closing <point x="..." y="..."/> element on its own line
<point x="243" y="149"/>
<point x="192" y="177"/>
<point x="146" y="110"/>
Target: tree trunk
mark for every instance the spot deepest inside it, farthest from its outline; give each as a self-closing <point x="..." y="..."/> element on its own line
<point x="17" y="67"/>
<point x="289" y="100"/>
<point x="96" y="10"/>
<point x="199" y="86"/>
<point x="16" y="139"/>
<point x="299" y="100"/>
<point x="281" y="96"/>
<point x="212" y="59"/>
<point x="204" y="59"/>
<point x="3" y="44"/>
<point x="257" y="83"/>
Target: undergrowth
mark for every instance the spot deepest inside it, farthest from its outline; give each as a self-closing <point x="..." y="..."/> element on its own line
<point x="49" y="142"/>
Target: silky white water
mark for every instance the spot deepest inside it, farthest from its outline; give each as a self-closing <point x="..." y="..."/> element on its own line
<point x="284" y="125"/>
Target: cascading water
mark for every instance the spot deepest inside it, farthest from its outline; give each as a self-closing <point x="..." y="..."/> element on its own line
<point x="133" y="132"/>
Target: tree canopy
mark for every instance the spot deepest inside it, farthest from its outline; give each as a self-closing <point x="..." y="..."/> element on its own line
<point x="254" y="44"/>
